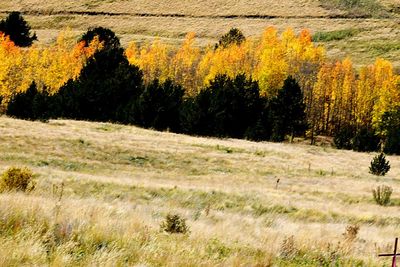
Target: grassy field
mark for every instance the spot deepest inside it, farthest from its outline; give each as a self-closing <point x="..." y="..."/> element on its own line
<point x="375" y="22"/>
<point x="121" y="181"/>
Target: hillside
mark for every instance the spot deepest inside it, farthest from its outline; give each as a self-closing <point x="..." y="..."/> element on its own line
<point x="363" y="29"/>
<point x="120" y="182"/>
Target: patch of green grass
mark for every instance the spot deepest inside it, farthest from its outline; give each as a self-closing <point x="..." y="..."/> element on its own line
<point x="335" y="35"/>
<point x="357" y="8"/>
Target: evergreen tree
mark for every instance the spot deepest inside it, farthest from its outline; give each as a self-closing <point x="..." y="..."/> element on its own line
<point x="158" y="106"/>
<point x="365" y="140"/>
<point x="103" y="90"/>
<point x="343" y="138"/>
<point x="30" y="105"/>
<point x="379" y="165"/>
<point x="287" y="111"/>
<point x="389" y="128"/>
<point x="234" y="36"/>
<point x="21" y="104"/>
<point x="107" y="36"/>
<point x="17" y="29"/>
<point x="226" y="108"/>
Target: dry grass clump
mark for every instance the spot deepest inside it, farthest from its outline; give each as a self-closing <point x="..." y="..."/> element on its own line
<point x="17" y="179"/>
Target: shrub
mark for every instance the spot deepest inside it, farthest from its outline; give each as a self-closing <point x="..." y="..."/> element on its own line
<point x="18" y="179"/>
<point x="382" y="195"/>
<point x="351" y="232"/>
<point x="379" y="165"/>
<point x="174" y="224"/>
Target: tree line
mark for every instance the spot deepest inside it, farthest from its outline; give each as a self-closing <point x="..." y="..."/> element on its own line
<point x="358" y="108"/>
<point x="109" y="88"/>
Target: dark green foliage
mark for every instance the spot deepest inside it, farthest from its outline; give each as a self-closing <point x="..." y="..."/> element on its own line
<point x="382" y="195"/>
<point x="287" y="111"/>
<point x="107" y="36"/>
<point x="174" y="224"/>
<point x="158" y="106"/>
<point x="17" y="29"/>
<point x="261" y="130"/>
<point x="234" y="36"/>
<point x="365" y="140"/>
<point x="30" y="105"/>
<point x="379" y="165"/>
<point x="103" y="90"/>
<point x="226" y="108"/>
<point x="390" y="129"/>
<point x="343" y="138"/>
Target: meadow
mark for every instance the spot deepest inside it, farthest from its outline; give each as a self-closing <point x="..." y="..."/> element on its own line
<point x="373" y="22"/>
<point x="103" y="189"/>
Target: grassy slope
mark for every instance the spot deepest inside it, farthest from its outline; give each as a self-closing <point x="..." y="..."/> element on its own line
<point x="120" y="181"/>
<point x="377" y="37"/>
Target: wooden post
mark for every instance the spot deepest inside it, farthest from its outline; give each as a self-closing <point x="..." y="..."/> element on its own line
<point x="394" y="255"/>
<point x="394" y="252"/>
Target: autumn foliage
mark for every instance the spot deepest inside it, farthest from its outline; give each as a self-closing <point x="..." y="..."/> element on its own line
<point x="49" y="67"/>
<point x="336" y="95"/>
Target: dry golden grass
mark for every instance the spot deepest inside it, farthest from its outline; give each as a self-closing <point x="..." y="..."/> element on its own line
<point x="120" y="182"/>
<point x="377" y="37"/>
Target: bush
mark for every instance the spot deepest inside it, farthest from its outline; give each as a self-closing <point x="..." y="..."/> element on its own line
<point x="379" y="165"/>
<point x="382" y="195"/>
<point x="174" y="224"/>
<point x="351" y="232"/>
<point x="18" y="179"/>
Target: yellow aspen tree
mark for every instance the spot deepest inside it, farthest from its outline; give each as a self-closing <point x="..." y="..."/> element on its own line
<point x="132" y="54"/>
<point x="184" y="65"/>
<point x="365" y="95"/>
<point x="155" y="61"/>
<point x="387" y="88"/>
<point x="231" y="61"/>
<point x="11" y="68"/>
<point x="272" y="68"/>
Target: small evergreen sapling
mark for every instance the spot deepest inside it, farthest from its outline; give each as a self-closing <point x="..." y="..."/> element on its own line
<point x="379" y="165"/>
<point x="174" y="224"/>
